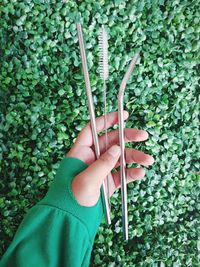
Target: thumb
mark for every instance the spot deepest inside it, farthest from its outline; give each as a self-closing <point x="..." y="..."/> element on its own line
<point x="86" y="185"/>
<point x="97" y="172"/>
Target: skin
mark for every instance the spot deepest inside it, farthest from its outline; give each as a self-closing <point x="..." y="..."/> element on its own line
<point x="86" y="185"/>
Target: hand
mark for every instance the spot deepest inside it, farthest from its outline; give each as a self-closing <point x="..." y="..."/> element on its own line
<point x="86" y="185"/>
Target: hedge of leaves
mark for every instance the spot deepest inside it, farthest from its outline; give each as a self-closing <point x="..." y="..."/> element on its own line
<point x="44" y="106"/>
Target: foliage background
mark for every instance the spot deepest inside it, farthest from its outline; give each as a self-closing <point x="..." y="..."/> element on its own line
<point x="44" y="106"/>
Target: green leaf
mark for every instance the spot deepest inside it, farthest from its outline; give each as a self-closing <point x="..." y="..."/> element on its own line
<point x="61" y="92"/>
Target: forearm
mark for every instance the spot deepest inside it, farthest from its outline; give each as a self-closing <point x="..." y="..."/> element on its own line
<point x="57" y="231"/>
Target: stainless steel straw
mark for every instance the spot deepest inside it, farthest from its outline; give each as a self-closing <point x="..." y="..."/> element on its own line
<point x="92" y="115"/>
<point x="122" y="145"/>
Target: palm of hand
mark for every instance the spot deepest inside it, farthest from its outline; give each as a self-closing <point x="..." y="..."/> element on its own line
<point x="83" y="149"/>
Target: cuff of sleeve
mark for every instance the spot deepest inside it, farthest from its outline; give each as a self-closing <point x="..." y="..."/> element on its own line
<point x="60" y="195"/>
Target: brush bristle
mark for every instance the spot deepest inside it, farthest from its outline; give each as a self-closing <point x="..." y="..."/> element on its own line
<point x="103" y="56"/>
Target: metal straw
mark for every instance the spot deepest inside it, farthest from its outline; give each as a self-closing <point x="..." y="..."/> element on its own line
<point x="92" y="115"/>
<point x="122" y="145"/>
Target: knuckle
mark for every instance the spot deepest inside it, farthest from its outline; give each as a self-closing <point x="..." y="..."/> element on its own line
<point x="106" y="160"/>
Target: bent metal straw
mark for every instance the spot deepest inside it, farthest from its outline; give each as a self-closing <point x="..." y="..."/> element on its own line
<point x="122" y="145"/>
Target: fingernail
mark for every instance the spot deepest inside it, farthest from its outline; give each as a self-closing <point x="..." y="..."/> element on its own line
<point x="146" y="135"/>
<point x="126" y="114"/>
<point x="152" y="160"/>
<point x="114" y="151"/>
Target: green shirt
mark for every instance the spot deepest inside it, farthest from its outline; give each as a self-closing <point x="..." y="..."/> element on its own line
<point x="57" y="231"/>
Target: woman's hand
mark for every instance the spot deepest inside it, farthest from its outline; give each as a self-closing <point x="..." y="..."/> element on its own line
<point x="86" y="185"/>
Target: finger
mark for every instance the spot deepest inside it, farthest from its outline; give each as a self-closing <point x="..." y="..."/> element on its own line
<point x="139" y="157"/>
<point x="132" y="174"/>
<point x="85" y="136"/>
<point x="130" y="135"/>
<point x="136" y="156"/>
<point x="86" y="185"/>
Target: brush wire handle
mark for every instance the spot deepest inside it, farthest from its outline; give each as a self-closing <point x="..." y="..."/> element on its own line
<point x="122" y="145"/>
<point x="106" y="134"/>
<point x="104" y="73"/>
<point x="92" y="116"/>
<point x="103" y="55"/>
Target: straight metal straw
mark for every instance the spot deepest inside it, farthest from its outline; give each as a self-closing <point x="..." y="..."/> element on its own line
<point x="122" y="145"/>
<point x="92" y="115"/>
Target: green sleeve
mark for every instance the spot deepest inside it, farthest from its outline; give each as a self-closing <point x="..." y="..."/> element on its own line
<point x="57" y="231"/>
